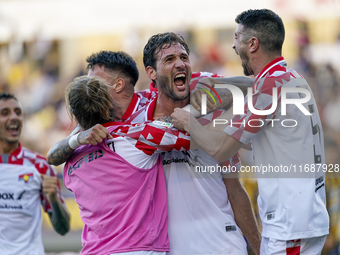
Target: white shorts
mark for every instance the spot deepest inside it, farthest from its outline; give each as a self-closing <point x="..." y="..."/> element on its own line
<point x="308" y="246"/>
<point x="140" y="253"/>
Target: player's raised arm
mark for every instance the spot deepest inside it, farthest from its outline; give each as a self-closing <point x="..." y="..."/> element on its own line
<point x="62" y="150"/>
<point x="218" y="145"/>
<point x="154" y="137"/>
<point x="223" y="97"/>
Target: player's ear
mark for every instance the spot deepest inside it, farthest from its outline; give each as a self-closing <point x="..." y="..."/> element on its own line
<point x="118" y="85"/>
<point x="254" y="44"/>
<point x="151" y="73"/>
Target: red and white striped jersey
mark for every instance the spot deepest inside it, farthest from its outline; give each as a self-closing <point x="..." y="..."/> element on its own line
<point x="190" y="192"/>
<point x="151" y="137"/>
<point x="146" y="114"/>
<point x="140" y="144"/>
<point x="276" y="75"/>
<point x="139" y="100"/>
<point x="20" y="198"/>
<point x="292" y="204"/>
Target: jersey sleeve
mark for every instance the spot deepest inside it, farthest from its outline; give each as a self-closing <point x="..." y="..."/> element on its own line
<point x="244" y="127"/>
<point x="154" y="137"/>
<point x="196" y="76"/>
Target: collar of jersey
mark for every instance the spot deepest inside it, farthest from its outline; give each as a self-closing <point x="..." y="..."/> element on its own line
<point x="268" y="67"/>
<point x="17" y="155"/>
<point x="150" y="109"/>
<point x="113" y="123"/>
<point x="132" y="107"/>
<point x="152" y="87"/>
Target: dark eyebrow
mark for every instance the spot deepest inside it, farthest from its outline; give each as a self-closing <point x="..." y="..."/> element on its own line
<point x="7" y="108"/>
<point x="167" y="56"/>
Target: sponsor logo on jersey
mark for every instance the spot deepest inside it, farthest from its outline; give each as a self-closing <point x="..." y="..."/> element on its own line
<point x="26" y="177"/>
<point x="230" y="228"/>
<point x="10" y="207"/>
<point x="163" y="124"/>
<point x="21" y="194"/>
<point x="184" y="158"/>
<point x="271" y="215"/>
<point x="176" y="160"/>
<point x="6" y="196"/>
<point x="86" y="159"/>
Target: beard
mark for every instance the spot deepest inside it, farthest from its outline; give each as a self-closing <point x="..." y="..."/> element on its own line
<point x="165" y="86"/>
<point x="246" y="64"/>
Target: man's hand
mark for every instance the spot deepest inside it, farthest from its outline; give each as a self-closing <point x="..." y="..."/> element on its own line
<point x="196" y="99"/>
<point x="224" y="94"/>
<point x="59" y="216"/>
<point x="61" y="151"/>
<point x="94" y="135"/>
<point x="50" y="185"/>
<point x="181" y="119"/>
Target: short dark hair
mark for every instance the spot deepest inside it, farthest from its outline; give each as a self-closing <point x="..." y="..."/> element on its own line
<point x="5" y="96"/>
<point x="266" y="26"/>
<point x="115" y="61"/>
<point x="155" y="45"/>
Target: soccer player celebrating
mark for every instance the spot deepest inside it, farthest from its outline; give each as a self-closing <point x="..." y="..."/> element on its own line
<point x="293" y="210"/>
<point x="198" y="202"/>
<point x="26" y="181"/>
<point x="119" y="184"/>
<point x="166" y="59"/>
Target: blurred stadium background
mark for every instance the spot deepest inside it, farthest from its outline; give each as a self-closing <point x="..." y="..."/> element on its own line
<point x="44" y="43"/>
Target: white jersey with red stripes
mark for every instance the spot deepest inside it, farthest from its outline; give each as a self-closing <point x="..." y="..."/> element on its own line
<point x="20" y="198"/>
<point x="201" y="220"/>
<point x="141" y="143"/>
<point x="291" y="202"/>
<point x="139" y="100"/>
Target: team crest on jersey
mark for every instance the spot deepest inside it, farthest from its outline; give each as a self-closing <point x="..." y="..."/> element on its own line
<point x="26" y="177"/>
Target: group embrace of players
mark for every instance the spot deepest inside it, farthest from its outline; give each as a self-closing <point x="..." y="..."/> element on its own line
<point x="131" y="160"/>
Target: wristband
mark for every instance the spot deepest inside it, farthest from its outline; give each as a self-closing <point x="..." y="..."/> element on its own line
<point x="73" y="142"/>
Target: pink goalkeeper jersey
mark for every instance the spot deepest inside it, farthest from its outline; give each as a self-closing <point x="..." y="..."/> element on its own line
<point x="124" y="207"/>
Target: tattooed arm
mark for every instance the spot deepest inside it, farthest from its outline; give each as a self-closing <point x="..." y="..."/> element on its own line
<point x="59" y="215"/>
<point x="61" y="151"/>
<point x="165" y="119"/>
<point x="225" y="95"/>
